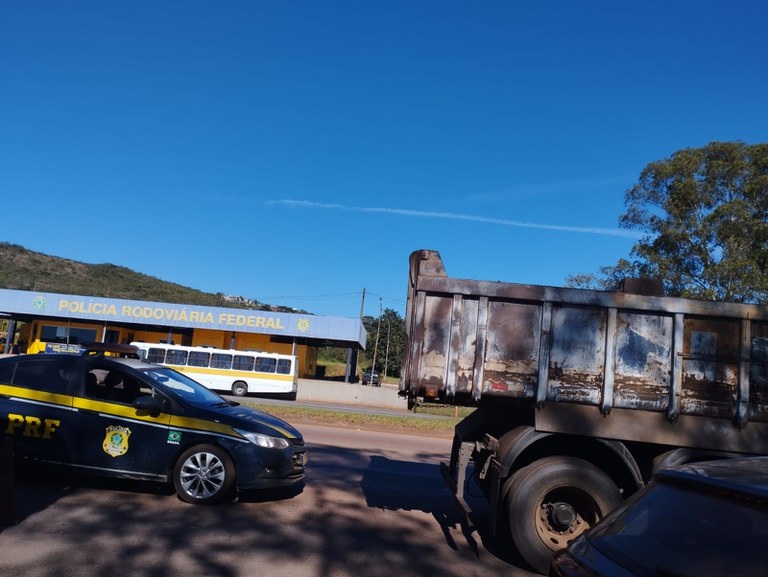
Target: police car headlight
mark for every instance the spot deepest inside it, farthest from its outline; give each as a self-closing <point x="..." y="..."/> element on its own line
<point x="265" y="440"/>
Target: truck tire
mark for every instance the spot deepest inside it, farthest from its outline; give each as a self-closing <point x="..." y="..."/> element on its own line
<point x="204" y="475"/>
<point x="552" y="501"/>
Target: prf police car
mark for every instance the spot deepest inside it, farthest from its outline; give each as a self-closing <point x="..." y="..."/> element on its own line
<point x="122" y="417"/>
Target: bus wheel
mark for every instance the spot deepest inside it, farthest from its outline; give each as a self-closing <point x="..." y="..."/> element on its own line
<point x="554" y="500"/>
<point x="239" y="389"/>
<point x="204" y="475"/>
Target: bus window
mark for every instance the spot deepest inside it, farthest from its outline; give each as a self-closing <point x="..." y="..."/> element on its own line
<point x="265" y="365"/>
<point x="283" y="366"/>
<point x="198" y="359"/>
<point x="227" y="369"/>
<point x="156" y="355"/>
<point x="176" y="357"/>
<point x="221" y="361"/>
<point x="242" y="363"/>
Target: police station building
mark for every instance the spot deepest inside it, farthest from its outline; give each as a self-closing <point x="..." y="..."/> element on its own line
<point x="39" y="322"/>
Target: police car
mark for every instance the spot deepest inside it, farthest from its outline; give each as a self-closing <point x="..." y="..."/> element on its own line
<point x="103" y="412"/>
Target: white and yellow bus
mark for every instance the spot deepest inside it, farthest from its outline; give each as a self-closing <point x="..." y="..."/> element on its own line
<point x="228" y="370"/>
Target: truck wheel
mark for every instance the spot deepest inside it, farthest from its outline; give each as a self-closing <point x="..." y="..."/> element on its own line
<point x="552" y="501"/>
<point x="204" y="475"/>
<point x="239" y="389"/>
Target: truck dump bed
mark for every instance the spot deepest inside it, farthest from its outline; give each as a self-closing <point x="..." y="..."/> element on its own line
<point x="598" y="352"/>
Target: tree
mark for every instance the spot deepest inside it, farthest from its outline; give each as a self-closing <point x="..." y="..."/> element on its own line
<point x="704" y="215"/>
<point x="391" y="335"/>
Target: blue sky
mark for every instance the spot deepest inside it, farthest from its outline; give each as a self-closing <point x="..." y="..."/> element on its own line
<point x="298" y="152"/>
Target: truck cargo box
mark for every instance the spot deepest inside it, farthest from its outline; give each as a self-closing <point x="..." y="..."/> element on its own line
<point x="471" y="341"/>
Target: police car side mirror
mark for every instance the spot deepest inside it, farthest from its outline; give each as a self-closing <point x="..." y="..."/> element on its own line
<point x="149" y="405"/>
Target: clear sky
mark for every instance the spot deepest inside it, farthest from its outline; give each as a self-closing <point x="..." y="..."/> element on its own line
<point x="296" y="152"/>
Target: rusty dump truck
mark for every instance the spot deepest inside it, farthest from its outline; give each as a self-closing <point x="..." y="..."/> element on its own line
<point x="580" y="395"/>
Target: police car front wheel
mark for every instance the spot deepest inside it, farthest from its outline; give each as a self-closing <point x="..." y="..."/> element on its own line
<point x="204" y="475"/>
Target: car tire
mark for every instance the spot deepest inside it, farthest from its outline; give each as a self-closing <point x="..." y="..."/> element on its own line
<point x="204" y="475"/>
<point x="552" y="501"/>
<point x="239" y="389"/>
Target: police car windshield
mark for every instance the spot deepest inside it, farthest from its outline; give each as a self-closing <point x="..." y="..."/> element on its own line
<point x="185" y="388"/>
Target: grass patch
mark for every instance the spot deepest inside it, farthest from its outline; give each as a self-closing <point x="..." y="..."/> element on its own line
<point x="443" y="410"/>
<point x="333" y="368"/>
<point x="439" y="423"/>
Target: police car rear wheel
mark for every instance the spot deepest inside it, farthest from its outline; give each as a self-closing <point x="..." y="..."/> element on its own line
<point x="204" y="475"/>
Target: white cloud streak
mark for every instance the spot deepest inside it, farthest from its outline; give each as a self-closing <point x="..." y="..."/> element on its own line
<point x="452" y="216"/>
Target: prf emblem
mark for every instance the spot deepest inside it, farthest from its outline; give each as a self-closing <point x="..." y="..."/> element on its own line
<point x="116" y="441"/>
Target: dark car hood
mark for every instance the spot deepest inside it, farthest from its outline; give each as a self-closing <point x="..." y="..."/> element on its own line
<point x="251" y="419"/>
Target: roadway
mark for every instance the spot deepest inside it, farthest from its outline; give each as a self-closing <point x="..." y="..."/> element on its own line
<point x="373" y="503"/>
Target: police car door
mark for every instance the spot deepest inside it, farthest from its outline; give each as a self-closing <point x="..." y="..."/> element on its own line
<point x="117" y="439"/>
<point x="36" y="405"/>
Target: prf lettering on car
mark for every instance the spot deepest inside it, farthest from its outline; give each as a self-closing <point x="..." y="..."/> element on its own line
<point x="31" y="426"/>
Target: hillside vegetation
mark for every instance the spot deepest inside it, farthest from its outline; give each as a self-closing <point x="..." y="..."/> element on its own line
<point x="23" y="269"/>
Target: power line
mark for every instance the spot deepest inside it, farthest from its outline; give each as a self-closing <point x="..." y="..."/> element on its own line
<point x="394" y="300"/>
<point x="310" y="297"/>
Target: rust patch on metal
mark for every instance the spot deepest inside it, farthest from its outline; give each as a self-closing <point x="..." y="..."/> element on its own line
<point x="518" y="385"/>
<point x="576" y="387"/>
<point x="708" y="398"/>
<point x="634" y="393"/>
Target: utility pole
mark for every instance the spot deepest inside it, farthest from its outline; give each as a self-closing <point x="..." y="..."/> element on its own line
<point x="386" y="356"/>
<point x="376" y="346"/>
<point x="350" y="351"/>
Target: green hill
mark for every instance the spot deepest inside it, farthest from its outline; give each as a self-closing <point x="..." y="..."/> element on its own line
<point x="23" y="269"/>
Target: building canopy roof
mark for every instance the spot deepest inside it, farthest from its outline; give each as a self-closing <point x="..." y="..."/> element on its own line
<point x="305" y="328"/>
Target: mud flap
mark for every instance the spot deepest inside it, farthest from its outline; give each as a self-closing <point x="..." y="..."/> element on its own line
<point x="456" y="484"/>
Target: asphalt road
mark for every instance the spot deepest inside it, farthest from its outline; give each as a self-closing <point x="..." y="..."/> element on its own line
<point x="373" y="504"/>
